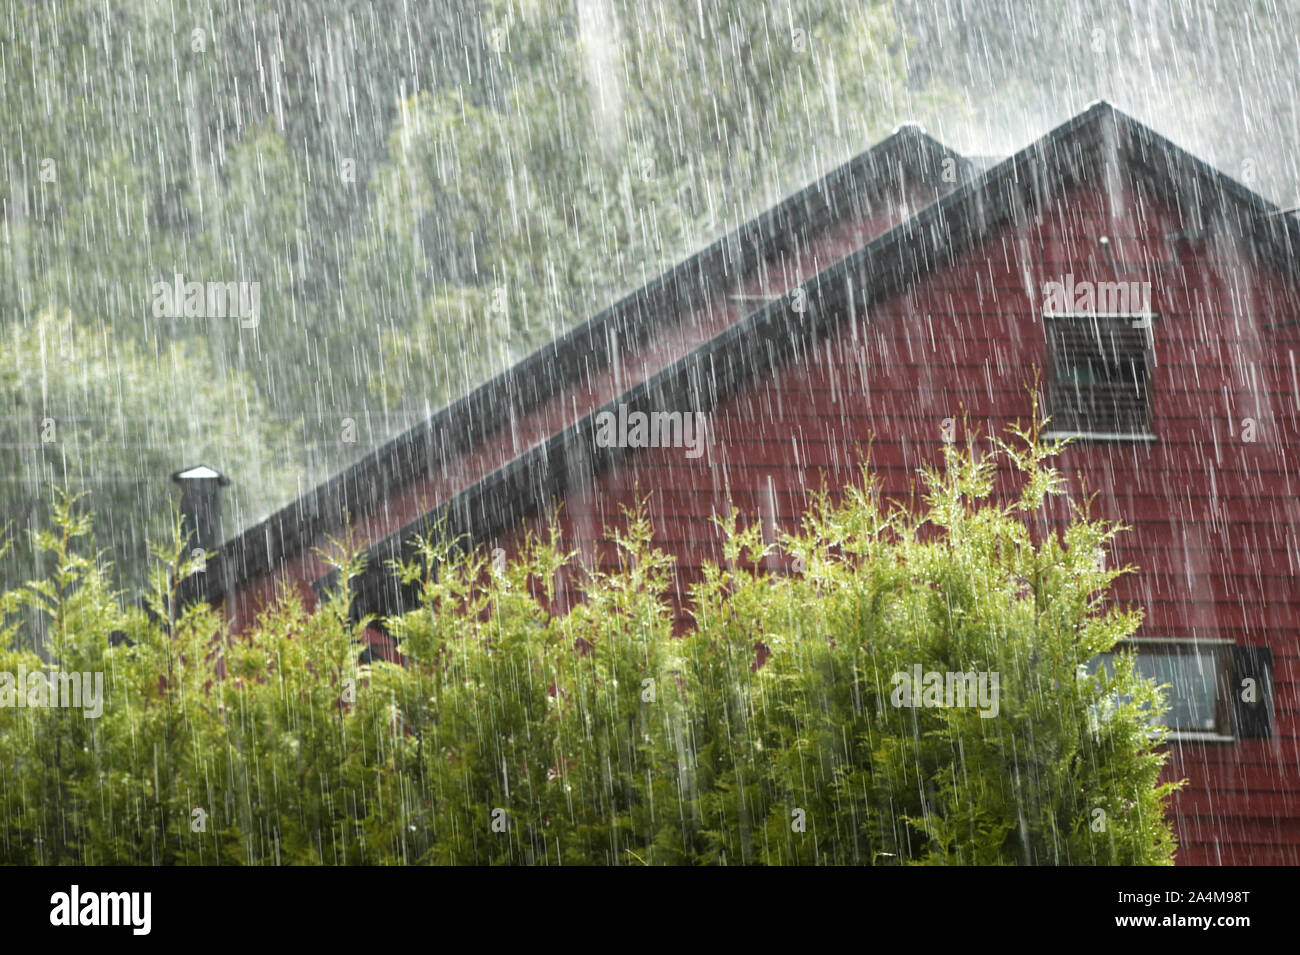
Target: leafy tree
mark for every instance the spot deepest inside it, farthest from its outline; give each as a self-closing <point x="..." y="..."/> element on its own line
<point x="602" y="146"/>
<point x="105" y="415"/>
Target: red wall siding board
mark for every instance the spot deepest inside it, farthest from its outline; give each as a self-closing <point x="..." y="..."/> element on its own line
<point x="1241" y="766"/>
<point x="1260" y="857"/>
<point x="1247" y="832"/>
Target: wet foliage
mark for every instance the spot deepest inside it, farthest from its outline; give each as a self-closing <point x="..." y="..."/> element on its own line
<point x="765" y="733"/>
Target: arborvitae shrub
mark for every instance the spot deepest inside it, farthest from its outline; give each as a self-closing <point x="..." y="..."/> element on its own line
<point x="514" y="734"/>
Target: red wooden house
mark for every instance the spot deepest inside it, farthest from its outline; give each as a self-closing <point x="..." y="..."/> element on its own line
<point x="906" y="292"/>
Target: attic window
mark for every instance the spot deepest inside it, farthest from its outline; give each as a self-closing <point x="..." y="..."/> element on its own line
<point x="1099" y="376"/>
<point x="1217" y="692"/>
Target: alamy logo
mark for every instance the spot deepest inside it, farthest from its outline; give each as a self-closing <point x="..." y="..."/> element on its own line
<point x="102" y="908"/>
<point x="931" y="688"/>
<point x="39" y="689"/>
<point x="1122" y="298"/>
<point x="182" y="299"/>
<point x="656" y="429"/>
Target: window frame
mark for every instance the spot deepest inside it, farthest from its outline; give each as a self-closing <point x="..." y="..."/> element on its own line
<point x="1147" y="322"/>
<point x="1225" y="730"/>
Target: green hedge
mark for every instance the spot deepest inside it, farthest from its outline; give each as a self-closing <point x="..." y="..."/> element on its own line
<point x="515" y="735"/>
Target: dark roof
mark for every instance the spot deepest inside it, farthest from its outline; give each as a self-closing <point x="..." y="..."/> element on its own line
<point x="907" y="154"/>
<point x="775" y="333"/>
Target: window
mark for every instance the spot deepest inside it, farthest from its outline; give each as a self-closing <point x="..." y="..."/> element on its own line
<point x="1099" y="375"/>
<point x="1216" y="691"/>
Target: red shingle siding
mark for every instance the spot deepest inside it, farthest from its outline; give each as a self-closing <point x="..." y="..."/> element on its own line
<point x="1214" y="518"/>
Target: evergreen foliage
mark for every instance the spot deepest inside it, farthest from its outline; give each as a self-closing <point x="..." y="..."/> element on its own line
<point x="514" y="734"/>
